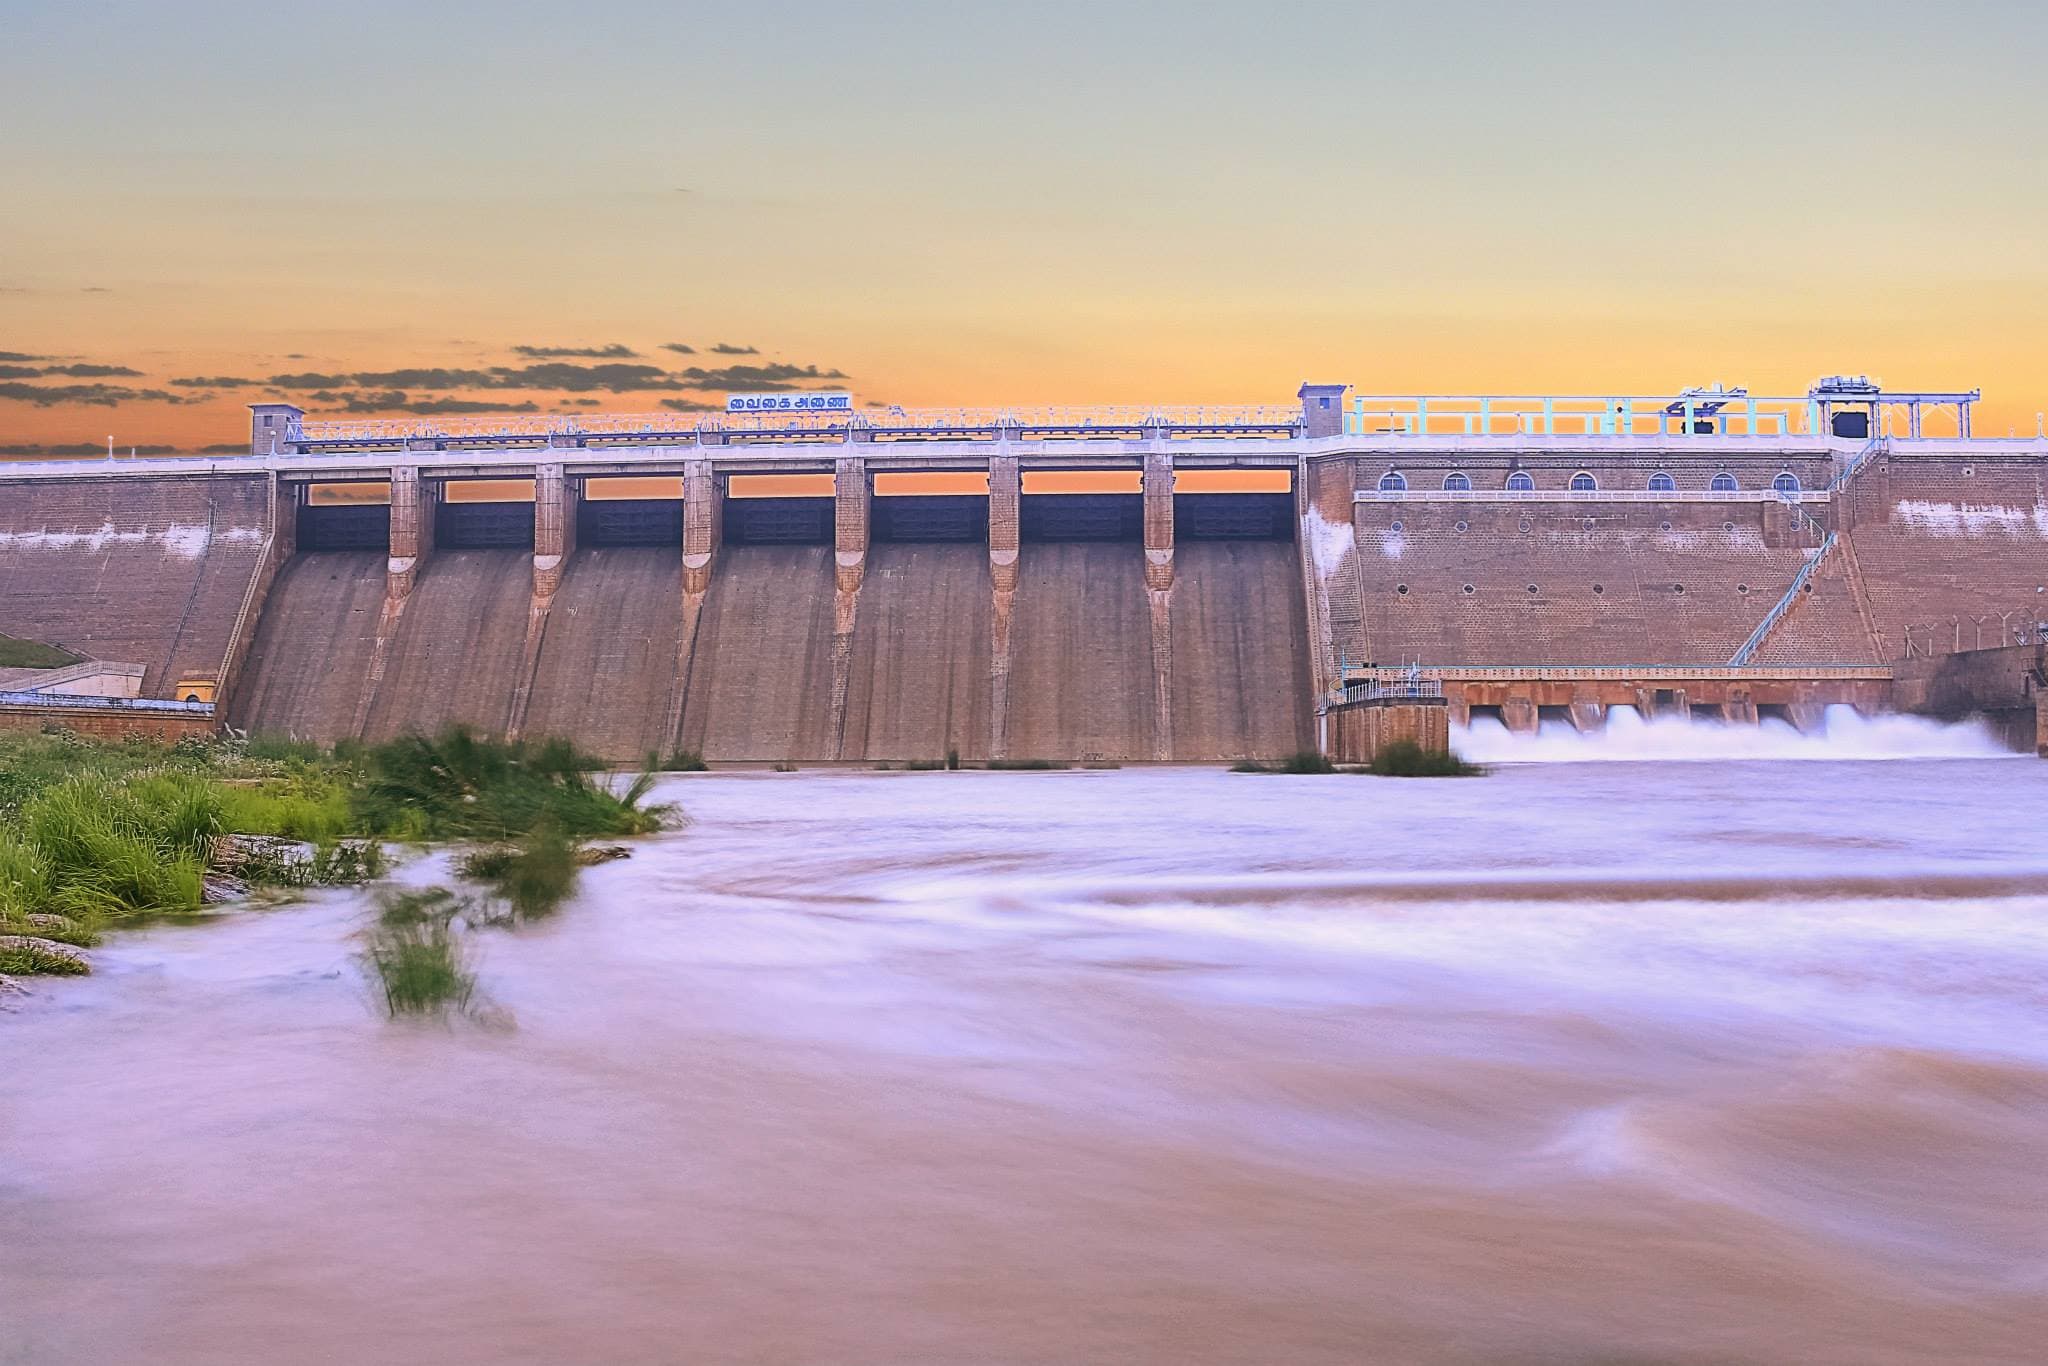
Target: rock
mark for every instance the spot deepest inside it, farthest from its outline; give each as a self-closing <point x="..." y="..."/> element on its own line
<point x="234" y="852"/>
<point x="217" y="887"/>
<point x="44" y="920"/>
<point x="27" y="954"/>
<point x="601" y="853"/>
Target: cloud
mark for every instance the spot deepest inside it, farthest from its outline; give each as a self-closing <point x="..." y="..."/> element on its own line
<point x="464" y="405"/>
<point x="612" y="352"/>
<point x="617" y="379"/>
<point x="429" y="378"/>
<point x="680" y="348"/>
<point x="773" y="376"/>
<point x="92" y="371"/>
<point x="398" y="401"/>
<point x="728" y="349"/>
<point x="20" y="355"/>
<point x="70" y="371"/>
<point x="308" y="380"/>
<point x="92" y="395"/>
<point x="214" y="382"/>
<point x="95" y="289"/>
<point x="691" y="405"/>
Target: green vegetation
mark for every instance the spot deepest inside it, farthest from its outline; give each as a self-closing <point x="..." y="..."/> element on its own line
<point x="16" y="653"/>
<point x="531" y="879"/>
<point x="1406" y="759"/>
<point x="1029" y="765"/>
<point x="460" y="785"/>
<point x="1302" y="761"/>
<point x="680" y="761"/>
<point x="1401" y="759"/>
<point x="416" y="955"/>
<point x="92" y="834"/>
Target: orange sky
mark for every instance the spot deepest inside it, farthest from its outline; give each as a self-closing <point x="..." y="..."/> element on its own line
<point x="1156" y="203"/>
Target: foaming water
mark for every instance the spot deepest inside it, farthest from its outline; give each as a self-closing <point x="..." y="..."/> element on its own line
<point x="1650" y="1063"/>
<point x="1627" y="736"/>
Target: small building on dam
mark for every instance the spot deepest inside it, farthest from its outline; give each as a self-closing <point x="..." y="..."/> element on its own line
<point x="1145" y="584"/>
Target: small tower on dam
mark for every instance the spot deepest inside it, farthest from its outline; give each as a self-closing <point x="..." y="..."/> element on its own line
<point x="274" y="427"/>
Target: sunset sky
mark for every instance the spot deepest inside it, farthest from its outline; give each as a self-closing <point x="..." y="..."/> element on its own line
<point x="422" y="206"/>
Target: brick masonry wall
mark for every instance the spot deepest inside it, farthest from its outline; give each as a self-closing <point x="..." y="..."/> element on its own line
<point x="101" y="724"/>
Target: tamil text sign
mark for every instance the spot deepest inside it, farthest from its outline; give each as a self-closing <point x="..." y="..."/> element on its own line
<point x="789" y="403"/>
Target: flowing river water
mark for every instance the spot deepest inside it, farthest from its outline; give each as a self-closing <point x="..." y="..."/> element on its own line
<point x="1619" y="1062"/>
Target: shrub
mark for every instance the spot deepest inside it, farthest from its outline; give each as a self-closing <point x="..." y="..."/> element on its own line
<point x="1406" y="759"/>
<point x="419" y="960"/>
<point x="1027" y="765"/>
<point x="462" y="786"/>
<point x="681" y="761"/>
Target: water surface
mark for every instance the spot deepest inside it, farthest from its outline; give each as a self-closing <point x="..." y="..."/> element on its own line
<point x="1645" y="1062"/>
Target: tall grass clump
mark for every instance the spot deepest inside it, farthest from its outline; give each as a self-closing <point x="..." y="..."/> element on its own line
<point x="115" y="849"/>
<point x="418" y="957"/>
<point x="1406" y="759"/>
<point x="532" y="879"/>
<point x="460" y="785"/>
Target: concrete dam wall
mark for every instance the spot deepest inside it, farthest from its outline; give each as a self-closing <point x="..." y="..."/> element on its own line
<point x="775" y="652"/>
<point x="149" y="571"/>
<point x="799" y="605"/>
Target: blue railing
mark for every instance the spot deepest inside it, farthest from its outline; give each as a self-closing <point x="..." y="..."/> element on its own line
<point x="57" y="699"/>
<point x="1784" y="605"/>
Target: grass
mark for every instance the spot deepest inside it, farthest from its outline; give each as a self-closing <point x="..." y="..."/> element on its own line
<point x="1302" y="761"/>
<point x="94" y="833"/>
<point x="16" y="653"/>
<point x="417" y="956"/>
<point x="1406" y="759"/>
<point x="459" y="785"/>
<point x="530" y="880"/>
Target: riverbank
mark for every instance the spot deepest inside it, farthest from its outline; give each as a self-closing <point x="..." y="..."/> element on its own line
<point x="96" y="835"/>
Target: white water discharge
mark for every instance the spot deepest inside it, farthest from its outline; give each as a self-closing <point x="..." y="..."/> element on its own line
<point x="1848" y="734"/>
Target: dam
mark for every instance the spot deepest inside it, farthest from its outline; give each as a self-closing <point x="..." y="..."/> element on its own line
<point x="1110" y="585"/>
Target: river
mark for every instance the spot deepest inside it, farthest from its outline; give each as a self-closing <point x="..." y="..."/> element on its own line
<point x="1619" y="1062"/>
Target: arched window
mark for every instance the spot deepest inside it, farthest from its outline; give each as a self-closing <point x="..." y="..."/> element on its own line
<point x="1661" y="482"/>
<point x="1521" y="482"/>
<point x="1787" y="482"/>
<point x="1393" y="481"/>
<point x="1584" y="482"/>
<point x="1457" y="482"/>
<point x="1724" y="482"/>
